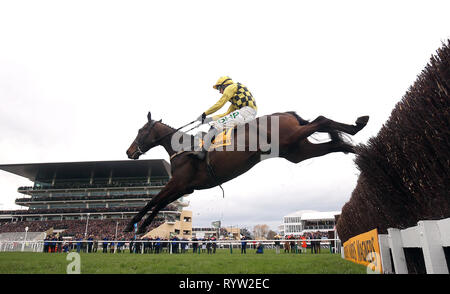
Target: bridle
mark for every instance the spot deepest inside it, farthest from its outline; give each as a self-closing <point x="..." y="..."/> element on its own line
<point x="140" y="148"/>
<point x="139" y="144"/>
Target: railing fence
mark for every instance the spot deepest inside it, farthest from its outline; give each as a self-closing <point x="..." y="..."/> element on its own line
<point x="424" y="248"/>
<point x="169" y="246"/>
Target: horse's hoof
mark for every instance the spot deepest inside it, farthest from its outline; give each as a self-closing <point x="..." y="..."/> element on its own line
<point x="350" y="149"/>
<point x="362" y="121"/>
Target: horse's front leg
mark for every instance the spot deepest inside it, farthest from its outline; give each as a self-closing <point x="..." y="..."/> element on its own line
<point x="167" y="190"/>
<point x="162" y="202"/>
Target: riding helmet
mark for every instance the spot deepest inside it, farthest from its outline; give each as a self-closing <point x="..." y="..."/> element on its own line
<point x="223" y="81"/>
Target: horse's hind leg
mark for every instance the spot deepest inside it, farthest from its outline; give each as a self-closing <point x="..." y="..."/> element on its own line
<point x="307" y="150"/>
<point x="328" y="125"/>
<point x="325" y="125"/>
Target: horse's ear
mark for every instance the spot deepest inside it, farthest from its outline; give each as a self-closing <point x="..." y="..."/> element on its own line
<point x="160" y="120"/>
<point x="149" y="116"/>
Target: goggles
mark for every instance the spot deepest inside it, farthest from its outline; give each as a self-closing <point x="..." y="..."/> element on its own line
<point x="222" y="84"/>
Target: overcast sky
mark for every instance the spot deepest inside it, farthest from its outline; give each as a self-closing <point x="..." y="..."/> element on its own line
<point x="78" y="78"/>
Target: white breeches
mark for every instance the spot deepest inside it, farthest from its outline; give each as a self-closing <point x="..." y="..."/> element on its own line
<point x="237" y="117"/>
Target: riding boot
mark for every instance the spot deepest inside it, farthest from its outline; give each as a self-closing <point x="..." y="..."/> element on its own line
<point x="207" y="141"/>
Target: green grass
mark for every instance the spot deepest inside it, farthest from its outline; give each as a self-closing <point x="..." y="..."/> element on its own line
<point x="220" y="263"/>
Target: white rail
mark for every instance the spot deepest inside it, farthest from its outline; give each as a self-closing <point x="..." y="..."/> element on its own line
<point x="38" y="246"/>
<point x="430" y="236"/>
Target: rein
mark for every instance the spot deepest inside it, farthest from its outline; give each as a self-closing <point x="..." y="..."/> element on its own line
<point x="139" y="149"/>
<point x="208" y="166"/>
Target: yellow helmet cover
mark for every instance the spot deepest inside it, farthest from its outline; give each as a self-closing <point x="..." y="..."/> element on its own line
<point x="222" y="81"/>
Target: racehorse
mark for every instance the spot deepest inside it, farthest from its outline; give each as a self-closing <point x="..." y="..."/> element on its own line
<point x="189" y="173"/>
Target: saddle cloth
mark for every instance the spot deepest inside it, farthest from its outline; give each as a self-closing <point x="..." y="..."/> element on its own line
<point x="222" y="138"/>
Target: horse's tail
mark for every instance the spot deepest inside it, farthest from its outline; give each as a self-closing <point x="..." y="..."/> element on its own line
<point x="300" y="120"/>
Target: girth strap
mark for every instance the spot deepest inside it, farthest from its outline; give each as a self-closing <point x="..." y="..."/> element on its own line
<point x="212" y="174"/>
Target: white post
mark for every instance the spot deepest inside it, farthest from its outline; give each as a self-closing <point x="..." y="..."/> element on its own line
<point x="386" y="264"/>
<point x="444" y="228"/>
<point x="25" y="239"/>
<point x="87" y="222"/>
<point x="398" y="255"/>
<point x="433" y="252"/>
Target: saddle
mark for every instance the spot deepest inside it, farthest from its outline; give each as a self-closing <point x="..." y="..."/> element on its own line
<point x="222" y="138"/>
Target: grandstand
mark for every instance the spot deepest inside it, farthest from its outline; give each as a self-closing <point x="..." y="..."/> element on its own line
<point x="306" y="221"/>
<point x="98" y="198"/>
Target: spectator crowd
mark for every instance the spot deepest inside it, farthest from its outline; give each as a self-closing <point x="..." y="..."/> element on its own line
<point x="125" y="243"/>
<point x="56" y="243"/>
<point x="73" y="228"/>
<point x="80" y="210"/>
<point x="107" y="236"/>
<point x="301" y="243"/>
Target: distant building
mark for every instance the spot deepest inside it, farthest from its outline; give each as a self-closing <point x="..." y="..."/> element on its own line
<point x="201" y="233"/>
<point x="234" y="233"/>
<point x="180" y="226"/>
<point x="304" y="221"/>
<point x="208" y="232"/>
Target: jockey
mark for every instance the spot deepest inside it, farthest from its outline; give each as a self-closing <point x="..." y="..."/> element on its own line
<point x="242" y="110"/>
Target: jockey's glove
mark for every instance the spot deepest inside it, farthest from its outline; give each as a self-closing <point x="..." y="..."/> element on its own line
<point x="202" y="118"/>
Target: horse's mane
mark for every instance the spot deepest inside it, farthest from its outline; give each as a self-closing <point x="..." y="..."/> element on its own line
<point x="167" y="125"/>
<point x="173" y="129"/>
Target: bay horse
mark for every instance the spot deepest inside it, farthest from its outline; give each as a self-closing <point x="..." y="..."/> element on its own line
<point x="190" y="173"/>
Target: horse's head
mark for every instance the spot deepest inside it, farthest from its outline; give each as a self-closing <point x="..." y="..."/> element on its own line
<point x="145" y="139"/>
